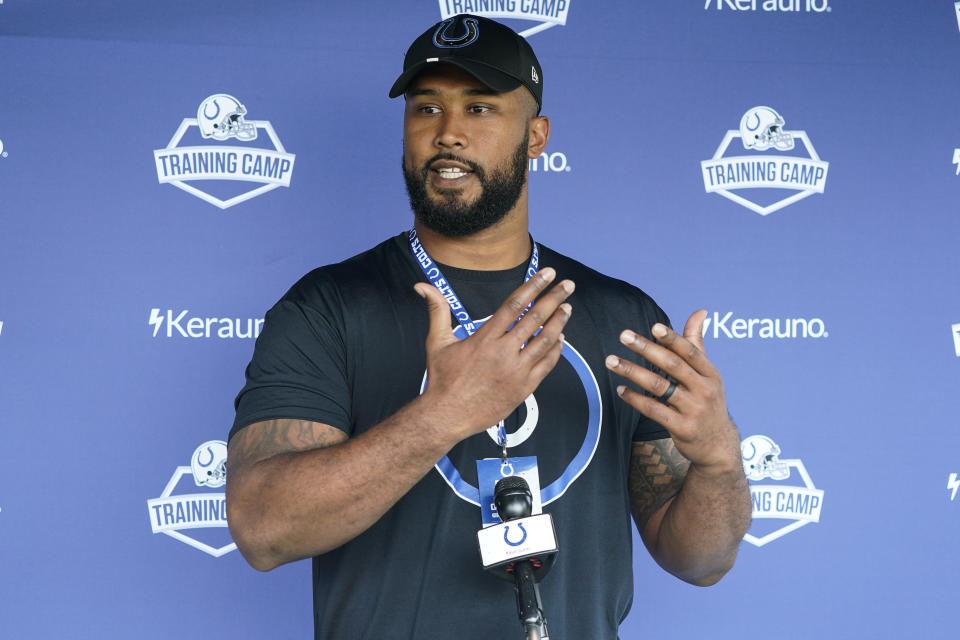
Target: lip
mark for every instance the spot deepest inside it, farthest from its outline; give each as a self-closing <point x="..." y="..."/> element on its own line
<point x="449" y="164"/>
<point x="441" y="181"/>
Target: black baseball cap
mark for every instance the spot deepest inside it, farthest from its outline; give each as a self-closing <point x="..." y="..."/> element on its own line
<point x="491" y="52"/>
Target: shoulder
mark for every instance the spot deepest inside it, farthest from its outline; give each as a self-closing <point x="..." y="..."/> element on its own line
<point x="384" y="266"/>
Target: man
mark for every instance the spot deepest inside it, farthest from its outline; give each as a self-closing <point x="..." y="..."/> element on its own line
<point x="359" y="429"/>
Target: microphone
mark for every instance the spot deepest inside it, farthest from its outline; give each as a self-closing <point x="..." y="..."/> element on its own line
<point x="514" y="501"/>
<point x="513" y="498"/>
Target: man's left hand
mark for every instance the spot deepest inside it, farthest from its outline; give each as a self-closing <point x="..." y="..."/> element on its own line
<point x="695" y="411"/>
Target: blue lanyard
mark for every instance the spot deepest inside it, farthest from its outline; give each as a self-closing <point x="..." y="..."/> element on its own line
<point x="434" y="275"/>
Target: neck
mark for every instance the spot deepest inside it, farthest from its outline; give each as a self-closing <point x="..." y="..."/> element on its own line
<point x="502" y="246"/>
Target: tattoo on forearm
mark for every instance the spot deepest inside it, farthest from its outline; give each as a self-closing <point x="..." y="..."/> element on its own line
<point x="271" y="437"/>
<point x="657" y="471"/>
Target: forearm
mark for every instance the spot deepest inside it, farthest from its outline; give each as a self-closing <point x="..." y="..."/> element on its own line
<point x="299" y="504"/>
<point x="700" y="532"/>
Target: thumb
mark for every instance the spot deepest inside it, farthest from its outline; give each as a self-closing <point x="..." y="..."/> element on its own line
<point x="439" y="333"/>
<point x="693" y="330"/>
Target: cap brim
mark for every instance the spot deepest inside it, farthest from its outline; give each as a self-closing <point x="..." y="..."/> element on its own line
<point x="493" y="78"/>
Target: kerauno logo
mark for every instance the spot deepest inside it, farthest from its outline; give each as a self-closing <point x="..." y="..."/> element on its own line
<point x="550" y="163"/>
<point x="546" y="13"/>
<point x="727" y="325"/>
<point x="172" y="323"/>
<point x="956" y="338"/>
<point x="782" y="6"/>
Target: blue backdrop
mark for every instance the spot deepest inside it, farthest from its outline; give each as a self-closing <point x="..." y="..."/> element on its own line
<point x="128" y="305"/>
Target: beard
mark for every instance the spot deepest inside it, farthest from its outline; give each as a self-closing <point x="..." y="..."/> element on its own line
<point x="452" y="217"/>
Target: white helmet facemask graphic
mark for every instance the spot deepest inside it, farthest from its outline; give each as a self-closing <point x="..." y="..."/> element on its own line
<point x="760" y="459"/>
<point x="209" y="464"/>
<point x="221" y="117"/>
<point x="762" y="128"/>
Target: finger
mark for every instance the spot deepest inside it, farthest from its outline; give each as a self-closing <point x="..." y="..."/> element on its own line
<point x="540" y="344"/>
<point x="546" y="364"/>
<point x="439" y="333"/>
<point x="654" y="384"/>
<point x="542" y="312"/>
<point x="517" y="302"/>
<point x="679" y="345"/>
<point x="659" y="356"/>
<point x="693" y="330"/>
<point x="657" y="411"/>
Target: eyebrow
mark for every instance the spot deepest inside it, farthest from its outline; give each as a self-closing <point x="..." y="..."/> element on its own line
<point x="468" y="92"/>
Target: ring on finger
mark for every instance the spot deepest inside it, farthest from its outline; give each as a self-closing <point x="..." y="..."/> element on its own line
<point x="665" y="398"/>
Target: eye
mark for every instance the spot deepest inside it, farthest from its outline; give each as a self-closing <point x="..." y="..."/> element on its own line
<point x="479" y="108"/>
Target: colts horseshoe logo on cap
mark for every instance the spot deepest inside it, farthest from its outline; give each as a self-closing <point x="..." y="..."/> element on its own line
<point x="443" y="40"/>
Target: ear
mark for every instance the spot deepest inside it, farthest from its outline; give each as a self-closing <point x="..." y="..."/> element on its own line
<point x="539" y="135"/>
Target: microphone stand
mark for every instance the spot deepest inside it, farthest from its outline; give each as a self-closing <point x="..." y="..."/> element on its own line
<point x="529" y="607"/>
<point x="513" y="500"/>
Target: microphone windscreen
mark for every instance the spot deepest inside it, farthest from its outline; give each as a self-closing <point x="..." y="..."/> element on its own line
<point x="511" y="483"/>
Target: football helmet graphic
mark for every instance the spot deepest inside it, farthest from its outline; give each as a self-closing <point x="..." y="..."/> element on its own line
<point x="762" y="128"/>
<point x="221" y="117"/>
<point x="760" y="459"/>
<point x="209" y="464"/>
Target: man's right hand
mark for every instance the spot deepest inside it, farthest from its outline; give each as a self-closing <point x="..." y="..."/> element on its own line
<point x="478" y="381"/>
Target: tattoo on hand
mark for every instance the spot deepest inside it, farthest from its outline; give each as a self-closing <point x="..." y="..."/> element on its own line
<point x="657" y="471"/>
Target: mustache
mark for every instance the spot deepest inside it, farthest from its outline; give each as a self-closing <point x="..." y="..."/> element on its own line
<point x="477" y="169"/>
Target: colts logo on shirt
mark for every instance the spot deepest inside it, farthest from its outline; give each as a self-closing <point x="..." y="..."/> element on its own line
<point x="585" y="408"/>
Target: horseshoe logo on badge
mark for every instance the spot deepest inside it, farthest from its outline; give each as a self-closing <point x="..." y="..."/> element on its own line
<point x="442" y="40"/>
<point x="519" y="542"/>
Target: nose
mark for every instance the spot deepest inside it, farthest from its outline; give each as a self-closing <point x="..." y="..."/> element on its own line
<point x="451" y="132"/>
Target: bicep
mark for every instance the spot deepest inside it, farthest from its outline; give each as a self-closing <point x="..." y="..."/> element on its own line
<point x="657" y="471"/>
<point x="268" y="438"/>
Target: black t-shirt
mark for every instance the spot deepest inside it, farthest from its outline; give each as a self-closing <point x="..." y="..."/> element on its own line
<point x="345" y="347"/>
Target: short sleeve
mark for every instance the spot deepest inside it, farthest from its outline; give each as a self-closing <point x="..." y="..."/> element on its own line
<point x="298" y="368"/>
